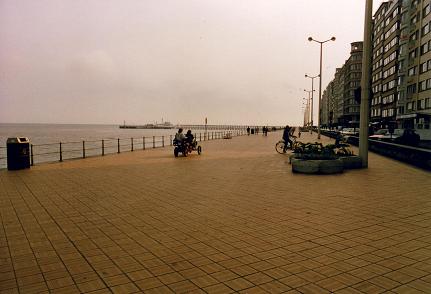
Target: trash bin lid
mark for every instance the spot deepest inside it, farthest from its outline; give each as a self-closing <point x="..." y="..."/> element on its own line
<point x="17" y="140"/>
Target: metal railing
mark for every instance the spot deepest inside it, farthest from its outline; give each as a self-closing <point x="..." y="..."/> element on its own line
<point x="3" y="156"/>
<point x="58" y="152"/>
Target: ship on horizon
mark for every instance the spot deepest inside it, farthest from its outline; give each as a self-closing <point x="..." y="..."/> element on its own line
<point x="163" y="125"/>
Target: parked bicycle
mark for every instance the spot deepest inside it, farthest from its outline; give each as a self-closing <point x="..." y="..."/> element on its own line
<point x="281" y="147"/>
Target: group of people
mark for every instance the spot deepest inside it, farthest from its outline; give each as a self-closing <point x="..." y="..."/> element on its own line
<point x="180" y="138"/>
<point x="256" y="131"/>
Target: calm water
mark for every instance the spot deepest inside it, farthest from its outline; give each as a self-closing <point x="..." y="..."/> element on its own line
<point x="52" y="134"/>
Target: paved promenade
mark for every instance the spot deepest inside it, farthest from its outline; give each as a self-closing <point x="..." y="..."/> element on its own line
<point x="235" y="219"/>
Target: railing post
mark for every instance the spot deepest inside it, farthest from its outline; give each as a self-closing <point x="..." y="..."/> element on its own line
<point x="154" y="141"/>
<point x="31" y="155"/>
<point x="212" y="135"/>
<point x="131" y="140"/>
<point x="61" y="154"/>
<point x="103" y="147"/>
<point x="143" y="143"/>
<point x="118" y="145"/>
<point x="170" y="140"/>
<point x="83" y="149"/>
<point x="163" y="141"/>
<point x="200" y="137"/>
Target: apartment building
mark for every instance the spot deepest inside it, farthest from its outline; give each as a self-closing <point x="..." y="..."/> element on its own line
<point x="352" y="81"/>
<point x="385" y="64"/>
<point x="401" y="71"/>
<point x="340" y="108"/>
<point x="414" y="75"/>
<point x="377" y="64"/>
<point x="338" y="95"/>
<point x="327" y="106"/>
<point x="401" y="66"/>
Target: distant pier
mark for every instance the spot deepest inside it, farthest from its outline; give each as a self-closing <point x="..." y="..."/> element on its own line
<point x="220" y="127"/>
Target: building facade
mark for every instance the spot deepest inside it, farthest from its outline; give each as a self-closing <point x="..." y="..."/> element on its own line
<point x="414" y="75"/>
<point x="400" y="71"/>
<point x="341" y="108"/>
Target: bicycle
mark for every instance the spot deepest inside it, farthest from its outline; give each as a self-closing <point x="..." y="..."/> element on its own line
<point x="281" y="148"/>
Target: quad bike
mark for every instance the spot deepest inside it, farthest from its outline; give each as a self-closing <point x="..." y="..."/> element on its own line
<point x="185" y="147"/>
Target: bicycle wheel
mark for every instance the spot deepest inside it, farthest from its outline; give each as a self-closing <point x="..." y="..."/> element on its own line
<point x="279" y="147"/>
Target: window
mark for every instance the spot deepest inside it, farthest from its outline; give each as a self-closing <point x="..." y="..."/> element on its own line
<point x="423" y="67"/>
<point x="391" y="44"/>
<point x="390" y="71"/>
<point x="426" y="29"/>
<point x="428" y="103"/>
<point x="413" y="53"/>
<point x="412" y="71"/>
<point x="422" y="86"/>
<point x="390" y="58"/>
<point x="414" y="36"/>
<point x="424" y="48"/>
<point x="388" y="99"/>
<point x="411" y="89"/>
<point x="426" y="10"/>
<point x="393" y="28"/>
<point x="410" y="106"/>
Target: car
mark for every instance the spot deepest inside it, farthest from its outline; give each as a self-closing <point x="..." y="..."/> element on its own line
<point x="391" y="137"/>
<point x="409" y="137"/>
<point x="379" y="134"/>
<point x="350" y="131"/>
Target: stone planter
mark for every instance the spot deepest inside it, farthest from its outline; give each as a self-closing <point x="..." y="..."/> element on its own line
<point x="317" y="166"/>
<point x="351" y="162"/>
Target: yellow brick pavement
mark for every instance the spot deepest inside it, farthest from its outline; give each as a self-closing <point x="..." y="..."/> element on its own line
<point x="235" y="219"/>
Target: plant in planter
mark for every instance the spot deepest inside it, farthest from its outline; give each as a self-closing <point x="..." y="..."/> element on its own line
<point x="313" y="158"/>
<point x="319" y="158"/>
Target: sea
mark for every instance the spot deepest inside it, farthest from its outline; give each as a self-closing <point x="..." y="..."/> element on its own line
<point x="46" y="139"/>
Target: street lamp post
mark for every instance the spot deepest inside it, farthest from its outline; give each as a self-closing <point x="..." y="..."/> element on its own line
<point x="320" y="79"/>
<point x="312" y="97"/>
<point x="365" y="84"/>
<point x="310" y="108"/>
<point x="306" y="111"/>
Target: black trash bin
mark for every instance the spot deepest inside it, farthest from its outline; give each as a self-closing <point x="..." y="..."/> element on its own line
<point x="18" y="153"/>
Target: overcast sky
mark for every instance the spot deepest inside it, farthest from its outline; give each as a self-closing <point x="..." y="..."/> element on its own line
<point x="105" y="61"/>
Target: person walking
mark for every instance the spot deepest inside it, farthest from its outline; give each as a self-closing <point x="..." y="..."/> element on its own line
<point x="248" y="131"/>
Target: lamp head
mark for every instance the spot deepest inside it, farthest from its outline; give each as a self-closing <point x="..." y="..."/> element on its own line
<point x="333" y="39"/>
<point x="306" y="75"/>
<point x="310" y="39"/>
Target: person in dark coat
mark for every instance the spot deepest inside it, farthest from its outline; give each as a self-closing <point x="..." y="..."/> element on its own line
<point x="286" y="134"/>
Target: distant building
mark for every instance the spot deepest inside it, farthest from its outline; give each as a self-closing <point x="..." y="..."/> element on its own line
<point x="352" y="81"/>
<point x="340" y="107"/>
